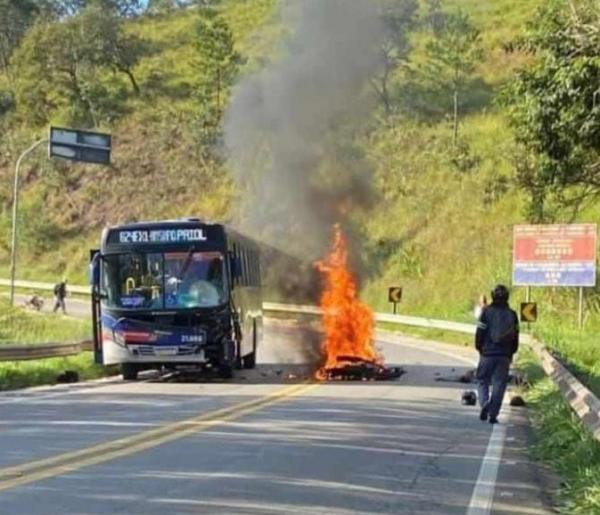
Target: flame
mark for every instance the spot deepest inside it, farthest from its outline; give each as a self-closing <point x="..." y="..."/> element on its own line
<point x="347" y="323"/>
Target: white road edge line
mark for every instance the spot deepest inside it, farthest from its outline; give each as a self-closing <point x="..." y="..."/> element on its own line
<point x="483" y="494"/>
<point x="485" y="487"/>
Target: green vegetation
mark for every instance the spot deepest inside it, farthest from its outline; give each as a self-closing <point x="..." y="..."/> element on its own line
<point x="21" y="326"/>
<point x="578" y="348"/>
<point x="563" y="442"/>
<point x="21" y="374"/>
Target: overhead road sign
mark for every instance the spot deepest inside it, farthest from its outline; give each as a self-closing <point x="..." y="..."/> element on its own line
<point x="554" y="255"/>
<point x="528" y="311"/>
<point x="78" y="145"/>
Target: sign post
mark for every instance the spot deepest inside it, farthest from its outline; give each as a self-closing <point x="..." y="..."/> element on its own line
<point x="580" y="310"/>
<point x="559" y="255"/>
<point x="15" y="207"/>
<point x="76" y="145"/>
<point x="395" y="295"/>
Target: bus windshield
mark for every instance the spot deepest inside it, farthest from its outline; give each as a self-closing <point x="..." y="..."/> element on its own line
<point x="170" y="280"/>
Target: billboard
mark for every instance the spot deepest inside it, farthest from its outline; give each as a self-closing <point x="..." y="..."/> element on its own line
<point x="554" y="255"/>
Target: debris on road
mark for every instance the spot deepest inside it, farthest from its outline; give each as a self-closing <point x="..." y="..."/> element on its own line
<point x="467" y="377"/>
<point x="350" y="368"/>
<point x="68" y="376"/>
<point x="469" y="398"/>
<point x="517" y="401"/>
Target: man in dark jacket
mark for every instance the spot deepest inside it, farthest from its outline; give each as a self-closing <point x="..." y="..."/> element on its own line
<point x="497" y="340"/>
<point x="60" y="293"/>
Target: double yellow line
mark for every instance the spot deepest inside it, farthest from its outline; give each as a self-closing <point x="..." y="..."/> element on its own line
<point x="65" y="463"/>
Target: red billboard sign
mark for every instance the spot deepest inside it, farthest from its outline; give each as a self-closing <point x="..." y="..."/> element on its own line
<point x="554" y="255"/>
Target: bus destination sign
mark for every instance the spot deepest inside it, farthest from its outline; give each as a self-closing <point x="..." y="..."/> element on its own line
<point x="162" y="236"/>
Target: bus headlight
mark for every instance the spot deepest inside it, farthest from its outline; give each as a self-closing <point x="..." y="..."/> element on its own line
<point x="119" y="338"/>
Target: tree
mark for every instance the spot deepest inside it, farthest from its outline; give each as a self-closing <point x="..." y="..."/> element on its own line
<point x="71" y="55"/>
<point x="554" y="108"/>
<point x="435" y="18"/>
<point x="106" y="44"/>
<point x="398" y="18"/>
<point x="217" y="64"/>
<point x="452" y="55"/>
<point x="15" y="18"/>
<point x="65" y="8"/>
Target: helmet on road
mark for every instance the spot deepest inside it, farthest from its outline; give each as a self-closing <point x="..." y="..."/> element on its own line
<point x="468" y="398"/>
<point x="500" y="294"/>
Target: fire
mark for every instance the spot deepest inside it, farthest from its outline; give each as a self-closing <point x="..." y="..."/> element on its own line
<point x="347" y="323"/>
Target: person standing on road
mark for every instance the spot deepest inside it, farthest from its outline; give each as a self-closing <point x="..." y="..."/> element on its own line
<point x="60" y="292"/>
<point x="496" y="340"/>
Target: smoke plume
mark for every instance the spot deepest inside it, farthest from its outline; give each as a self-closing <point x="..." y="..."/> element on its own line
<point x="281" y="124"/>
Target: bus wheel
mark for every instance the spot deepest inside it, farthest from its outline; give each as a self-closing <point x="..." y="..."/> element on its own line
<point x="225" y="371"/>
<point x="250" y="360"/>
<point x="129" y="371"/>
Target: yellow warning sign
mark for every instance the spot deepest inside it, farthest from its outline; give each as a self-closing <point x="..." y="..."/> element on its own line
<point x="528" y="311"/>
<point x="395" y="294"/>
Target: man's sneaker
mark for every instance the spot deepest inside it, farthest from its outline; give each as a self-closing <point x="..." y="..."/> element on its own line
<point x="483" y="414"/>
<point x="493" y="420"/>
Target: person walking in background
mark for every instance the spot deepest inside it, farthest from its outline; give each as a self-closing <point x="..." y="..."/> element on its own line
<point x="496" y="340"/>
<point x="60" y="292"/>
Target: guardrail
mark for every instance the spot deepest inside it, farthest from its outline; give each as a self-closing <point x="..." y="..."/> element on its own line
<point x="580" y="398"/>
<point x="34" y="285"/>
<point x="10" y="352"/>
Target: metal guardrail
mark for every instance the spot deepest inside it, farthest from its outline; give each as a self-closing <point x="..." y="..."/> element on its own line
<point x="10" y="352"/>
<point x="580" y="398"/>
<point x="34" y="285"/>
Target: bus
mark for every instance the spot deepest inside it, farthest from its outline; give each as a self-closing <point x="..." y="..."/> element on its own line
<point x="176" y="294"/>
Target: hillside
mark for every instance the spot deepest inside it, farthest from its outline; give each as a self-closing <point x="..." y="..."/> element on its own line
<point x="440" y="223"/>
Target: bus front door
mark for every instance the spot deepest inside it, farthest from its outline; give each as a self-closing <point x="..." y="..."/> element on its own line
<point x="96" y="309"/>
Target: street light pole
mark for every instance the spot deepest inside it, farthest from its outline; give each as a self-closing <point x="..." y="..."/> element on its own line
<point x="13" y="248"/>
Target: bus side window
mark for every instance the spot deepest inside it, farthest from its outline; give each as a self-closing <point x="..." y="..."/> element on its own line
<point x="249" y="267"/>
<point x="253" y="267"/>
<point x="257" y="267"/>
<point x="234" y="265"/>
<point x="244" y="257"/>
<point x="258" y="276"/>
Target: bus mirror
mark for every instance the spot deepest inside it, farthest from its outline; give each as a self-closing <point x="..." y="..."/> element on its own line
<point x="94" y="271"/>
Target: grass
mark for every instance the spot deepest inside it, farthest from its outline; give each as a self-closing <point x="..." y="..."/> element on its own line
<point x="21" y="374"/>
<point x="563" y="442"/>
<point x="578" y="347"/>
<point x="18" y="325"/>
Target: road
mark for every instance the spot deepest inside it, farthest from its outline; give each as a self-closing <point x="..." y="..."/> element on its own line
<point x="267" y="442"/>
<point x="77" y="308"/>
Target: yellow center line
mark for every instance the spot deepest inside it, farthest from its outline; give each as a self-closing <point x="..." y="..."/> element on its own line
<point x="12" y="477"/>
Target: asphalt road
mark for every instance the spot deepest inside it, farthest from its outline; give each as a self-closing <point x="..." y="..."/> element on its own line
<point x="266" y="442"/>
<point x="77" y="308"/>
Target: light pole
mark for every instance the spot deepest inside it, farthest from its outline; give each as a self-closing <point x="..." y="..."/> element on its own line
<point x="13" y="248"/>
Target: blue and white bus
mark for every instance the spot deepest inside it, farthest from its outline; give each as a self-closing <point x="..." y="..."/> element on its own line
<point x="176" y="294"/>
